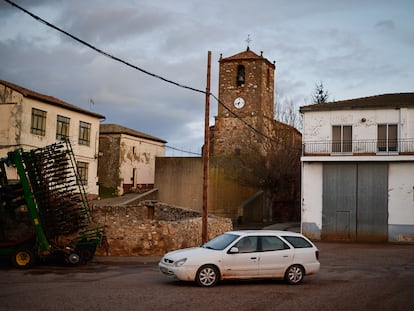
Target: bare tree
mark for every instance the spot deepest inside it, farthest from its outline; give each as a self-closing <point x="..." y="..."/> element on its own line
<point x="286" y="111"/>
<point x="276" y="172"/>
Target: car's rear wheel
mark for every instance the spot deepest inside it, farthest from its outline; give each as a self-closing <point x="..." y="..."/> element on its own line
<point x="207" y="276"/>
<point x="294" y="274"/>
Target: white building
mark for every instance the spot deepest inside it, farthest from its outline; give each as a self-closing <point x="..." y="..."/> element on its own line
<point x="127" y="159"/>
<point x="31" y="120"/>
<point x="358" y="169"/>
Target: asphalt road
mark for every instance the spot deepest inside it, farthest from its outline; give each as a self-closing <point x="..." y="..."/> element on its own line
<point x="352" y="277"/>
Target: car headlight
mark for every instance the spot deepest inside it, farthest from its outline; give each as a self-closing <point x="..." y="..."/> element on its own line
<point x="180" y="262"/>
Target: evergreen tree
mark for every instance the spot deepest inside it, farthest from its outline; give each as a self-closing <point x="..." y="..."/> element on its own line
<point x="320" y="96"/>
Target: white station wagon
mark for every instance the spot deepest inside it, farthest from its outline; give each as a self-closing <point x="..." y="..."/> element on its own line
<point x="245" y="254"/>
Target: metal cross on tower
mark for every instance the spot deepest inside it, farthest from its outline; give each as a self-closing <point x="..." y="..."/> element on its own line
<point x="248" y="40"/>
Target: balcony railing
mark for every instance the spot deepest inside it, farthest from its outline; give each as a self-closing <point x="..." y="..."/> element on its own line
<point x="359" y="147"/>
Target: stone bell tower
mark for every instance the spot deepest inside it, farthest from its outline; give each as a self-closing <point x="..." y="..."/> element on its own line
<point x="246" y="107"/>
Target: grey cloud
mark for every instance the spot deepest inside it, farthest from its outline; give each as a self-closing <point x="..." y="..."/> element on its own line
<point x="111" y="24"/>
<point x="338" y="43"/>
<point x="386" y="25"/>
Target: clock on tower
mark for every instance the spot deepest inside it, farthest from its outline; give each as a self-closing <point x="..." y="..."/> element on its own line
<point x="239" y="102"/>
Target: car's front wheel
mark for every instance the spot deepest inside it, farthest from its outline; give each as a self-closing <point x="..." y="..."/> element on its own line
<point x="294" y="274"/>
<point x="207" y="276"/>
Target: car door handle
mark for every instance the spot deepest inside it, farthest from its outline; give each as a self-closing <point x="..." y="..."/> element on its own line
<point x="285" y="256"/>
<point x="253" y="257"/>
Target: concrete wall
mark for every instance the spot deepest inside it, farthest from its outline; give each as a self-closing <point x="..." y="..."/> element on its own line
<point x="153" y="228"/>
<point x="180" y="182"/>
<point x="312" y="190"/>
<point x="401" y="202"/>
<point x="227" y="196"/>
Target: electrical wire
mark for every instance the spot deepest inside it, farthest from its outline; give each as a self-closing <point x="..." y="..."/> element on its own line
<point x="103" y="52"/>
<point x="151" y="74"/>
<point x="181" y="150"/>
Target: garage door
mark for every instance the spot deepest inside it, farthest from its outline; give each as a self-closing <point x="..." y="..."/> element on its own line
<point x="355" y="202"/>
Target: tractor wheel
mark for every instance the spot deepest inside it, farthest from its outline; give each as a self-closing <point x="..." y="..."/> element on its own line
<point x="73" y="259"/>
<point x="23" y="258"/>
<point x="86" y="253"/>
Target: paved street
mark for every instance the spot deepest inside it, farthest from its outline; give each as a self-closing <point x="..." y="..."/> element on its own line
<point x="352" y="277"/>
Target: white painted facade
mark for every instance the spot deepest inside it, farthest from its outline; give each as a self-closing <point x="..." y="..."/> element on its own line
<point x="317" y="140"/>
<point x="138" y="155"/>
<point x="317" y="125"/>
<point x="16" y="105"/>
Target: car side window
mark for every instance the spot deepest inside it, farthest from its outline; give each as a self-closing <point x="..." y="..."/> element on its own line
<point x="272" y="243"/>
<point x="297" y="242"/>
<point x="247" y="244"/>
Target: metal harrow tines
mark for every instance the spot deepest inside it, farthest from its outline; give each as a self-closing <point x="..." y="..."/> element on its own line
<point x="55" y="184"/>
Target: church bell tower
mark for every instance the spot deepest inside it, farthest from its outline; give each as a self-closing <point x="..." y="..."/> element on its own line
<point x="246" y="107"/>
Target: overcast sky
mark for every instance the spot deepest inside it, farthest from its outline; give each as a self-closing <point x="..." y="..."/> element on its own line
<point x="357" y="48"/>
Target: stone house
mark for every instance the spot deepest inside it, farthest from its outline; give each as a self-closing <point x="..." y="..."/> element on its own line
<point x="127" y="159"/>
<point x="358" y="168"/>
<point x="29" y="119"/>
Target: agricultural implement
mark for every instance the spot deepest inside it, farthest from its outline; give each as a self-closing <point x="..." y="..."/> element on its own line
<point x="45" y="213"/>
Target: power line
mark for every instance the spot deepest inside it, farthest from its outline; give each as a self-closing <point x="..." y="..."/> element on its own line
<point x="181" y="150"/>
<point x="252" y="127"/>
<point x="103" y="52"/>
<point x="148" y="73"/>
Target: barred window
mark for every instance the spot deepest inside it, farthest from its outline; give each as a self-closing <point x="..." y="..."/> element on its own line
<point x="84" y="133"/>
<point x="83" y="172"/>
<point x="62" y="127"/>
<point x="38" y="126"/>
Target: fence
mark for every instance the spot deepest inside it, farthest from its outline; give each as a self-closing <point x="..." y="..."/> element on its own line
<point x="362" y="147"/>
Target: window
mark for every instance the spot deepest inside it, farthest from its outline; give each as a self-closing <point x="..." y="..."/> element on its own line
<point x="84" y="133"/>
<point x="387" y="137"/>
<point x="272" y="243"/>
<point x="221" y="242"/>
<point x="240" y="75"/>
<point x="247" y="244"/>
<point x="38" y="126"/>
<point x="342" y="138"/>
<point x="83" y="172"/>
<point x="268" y="78"/>
<point x="62" y="127"/>
<point x="297" y="242"/>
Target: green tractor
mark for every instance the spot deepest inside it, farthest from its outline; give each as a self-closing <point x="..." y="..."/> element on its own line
<point x="45" y="212"/>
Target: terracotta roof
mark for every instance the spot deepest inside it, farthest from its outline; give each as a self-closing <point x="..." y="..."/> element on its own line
<point x="245" y="55"/>
<point x="48" y="99"/>
<point x="119" y="129"/>
<point x="396" y="100"/>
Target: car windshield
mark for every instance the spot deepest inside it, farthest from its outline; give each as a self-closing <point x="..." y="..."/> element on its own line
<point x="221" y="242"/>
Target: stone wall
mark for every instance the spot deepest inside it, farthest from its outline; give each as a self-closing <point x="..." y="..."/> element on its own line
<point x="152" y="228"/>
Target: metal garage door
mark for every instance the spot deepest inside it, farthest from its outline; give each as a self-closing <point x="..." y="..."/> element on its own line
<point x="355" y="202"/>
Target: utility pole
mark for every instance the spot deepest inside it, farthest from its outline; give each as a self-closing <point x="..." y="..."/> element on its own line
<point x="206" y="154"/>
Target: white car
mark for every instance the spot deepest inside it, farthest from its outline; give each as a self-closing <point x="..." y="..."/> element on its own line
<point x="245" y="254"/>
